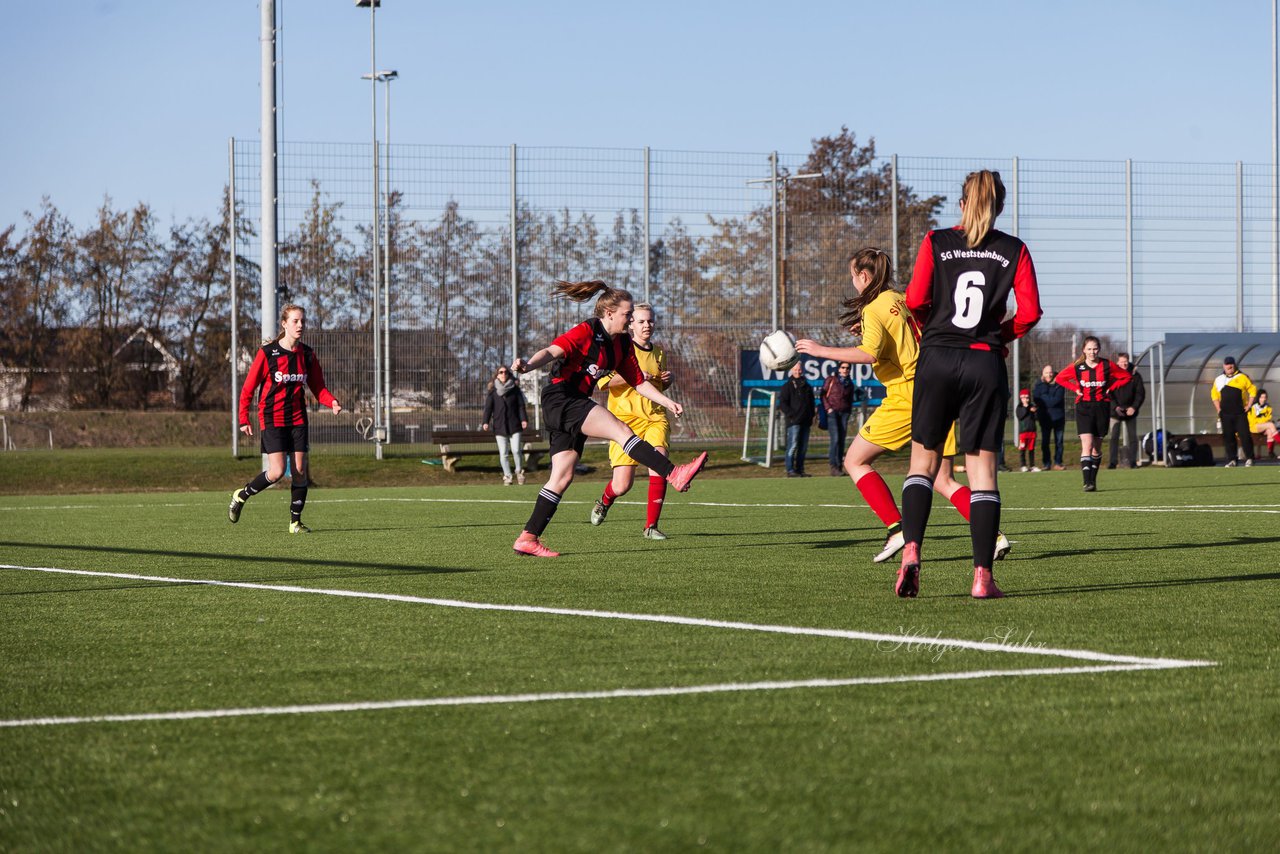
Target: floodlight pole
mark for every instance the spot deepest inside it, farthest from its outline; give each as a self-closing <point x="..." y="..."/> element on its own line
<point x="379" y="429"/>
<point x="385" y="375"/>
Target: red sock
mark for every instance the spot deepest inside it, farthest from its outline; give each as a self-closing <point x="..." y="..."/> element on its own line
<point x="878" y="497"/>
<point x="657" y="492"/>
<point x="960" y="498"/>
<point x="609" y="495"/>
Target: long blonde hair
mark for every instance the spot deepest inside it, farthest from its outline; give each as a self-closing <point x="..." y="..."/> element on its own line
<point x="875" y="263"/>
<point x="284" y="315"/>
<point x="983" y="198"/>
<point x="610" y="298"/>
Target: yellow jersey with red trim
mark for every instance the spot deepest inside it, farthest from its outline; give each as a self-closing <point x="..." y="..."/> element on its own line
<point x="625" y="402"/>
<point x="891" y="336"/>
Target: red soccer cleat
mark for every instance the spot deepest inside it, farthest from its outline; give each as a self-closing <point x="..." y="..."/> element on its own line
<point x="908" y="585"/>
<point x="682" y="475"/>
<point x="984" y="585"/>
<point x="528" y="544"/>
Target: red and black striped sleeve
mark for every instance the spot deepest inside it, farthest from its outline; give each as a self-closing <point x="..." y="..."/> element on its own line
<point x="257" y="374"/>
<point x="1067" y="378"/>
<point x="315" y="380"/>
<point x="1119" y="377"/>
<point x="628" y="367"/>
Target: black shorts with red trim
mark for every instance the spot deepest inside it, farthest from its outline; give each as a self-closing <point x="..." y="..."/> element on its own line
<point x="1093" y="418"/>
<point x="285" y="440"/>
<point x="564" y="413"/>
<point x="967" y="387"/>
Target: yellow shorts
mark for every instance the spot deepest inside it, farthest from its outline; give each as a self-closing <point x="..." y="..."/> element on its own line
<point x="656" y="433"/>
<point x="890" y="425"/>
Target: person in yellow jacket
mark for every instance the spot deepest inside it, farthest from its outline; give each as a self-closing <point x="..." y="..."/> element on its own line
<point x="645" y="418"/>
<point x="1262" y="421"/>
<point x="1233" y="394"/>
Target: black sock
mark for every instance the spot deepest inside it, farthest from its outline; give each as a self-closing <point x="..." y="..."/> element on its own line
<point x="298" y="500"/>
<point x="543" y="509"/>
<point x="643" y="453"/>
<point x="984" y="525"/>
<point x="1086" y="463"/>
<point x="917" y="502"/>
<point x="255" y="486"/>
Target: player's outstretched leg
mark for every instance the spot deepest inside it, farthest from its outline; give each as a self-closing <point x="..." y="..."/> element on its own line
<point x="682" y="475"/>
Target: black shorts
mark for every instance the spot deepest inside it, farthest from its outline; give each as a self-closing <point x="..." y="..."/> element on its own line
<point x="285" y="440"/>
<point x="1093" y="418"/>
<point x="968" y="387"/>
<point x="563" y="415"/>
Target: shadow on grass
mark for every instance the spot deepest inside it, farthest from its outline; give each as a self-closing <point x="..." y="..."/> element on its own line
<point x="242" y="558"/>
<point x="1153" y="584"/>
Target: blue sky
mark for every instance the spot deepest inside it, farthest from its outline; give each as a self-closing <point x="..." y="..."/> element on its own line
<point x="136" y="98"/>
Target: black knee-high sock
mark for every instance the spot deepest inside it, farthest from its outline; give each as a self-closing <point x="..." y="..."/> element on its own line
<point x="1097" y="464"/>
<point x="255" y="486"/>
<point x="543" y="509"/>
<point x="642" y="452"/>
<point x="297" y="500"/>
<point x="984" y="524"/>
<point x="1086" y="467"/>
<point x="917" y="502"/>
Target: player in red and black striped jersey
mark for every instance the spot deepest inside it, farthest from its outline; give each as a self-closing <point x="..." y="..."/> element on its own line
<point x="958" y="293"/>
<point x="283" y="370"/>
<point x="586" y="353"/>
<point x="1093" y="379"/>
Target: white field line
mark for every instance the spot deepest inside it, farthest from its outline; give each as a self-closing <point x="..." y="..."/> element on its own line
<point x="328" y="708"/>
<point x="846" y="634"/>
<point x="1161" y="508"/>
<point x="1113" y="663"/>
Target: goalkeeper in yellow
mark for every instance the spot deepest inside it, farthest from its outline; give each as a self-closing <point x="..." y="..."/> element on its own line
<point x="890" y="344"/>
<point x="643" y="417"/>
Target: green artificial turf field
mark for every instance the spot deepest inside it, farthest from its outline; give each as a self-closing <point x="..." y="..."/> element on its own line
<point x="400" y="680"/>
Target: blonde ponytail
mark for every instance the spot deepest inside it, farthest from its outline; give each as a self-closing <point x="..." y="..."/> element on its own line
<point x="983" y="198"/>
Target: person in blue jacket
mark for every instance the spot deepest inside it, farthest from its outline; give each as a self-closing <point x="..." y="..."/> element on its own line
<point x="1051" y="412"/>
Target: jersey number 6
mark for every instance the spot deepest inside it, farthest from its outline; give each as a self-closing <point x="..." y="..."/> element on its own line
<point x="968" y="299"/>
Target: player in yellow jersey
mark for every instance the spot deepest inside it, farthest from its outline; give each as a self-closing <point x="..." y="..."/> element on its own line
<point x="890" y="344"/>
<point x="645" y="418"/>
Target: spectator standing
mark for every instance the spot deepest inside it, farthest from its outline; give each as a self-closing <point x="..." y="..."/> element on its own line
<point x="506" y="415"/>
<point x="1026" y="413"/>
<point x="837" y="399"/>
<point x="1126" y="402"/>
<point x="797" y="405"/>
<point x="1049" y="401"/>
<point x="1233" y="394"/>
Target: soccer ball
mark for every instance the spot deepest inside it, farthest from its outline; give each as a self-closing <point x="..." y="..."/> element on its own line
<point x="778" y="351"/>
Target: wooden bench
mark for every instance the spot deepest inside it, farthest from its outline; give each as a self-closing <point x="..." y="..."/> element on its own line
<point x="453" y="445"/>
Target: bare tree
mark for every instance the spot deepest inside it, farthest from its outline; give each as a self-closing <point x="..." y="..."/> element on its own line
<point x="35" y="272"/>
<point x="114" y="258"/>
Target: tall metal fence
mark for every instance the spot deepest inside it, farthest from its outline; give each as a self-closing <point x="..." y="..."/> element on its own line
<point x="726" y="246"/>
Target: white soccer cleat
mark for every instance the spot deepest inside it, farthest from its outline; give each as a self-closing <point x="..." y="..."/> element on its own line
<point x="1003" y="546"/>
<point x="892" y="546"/>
